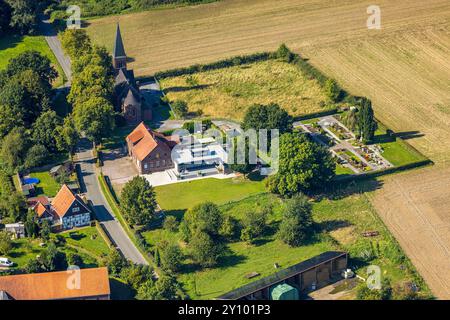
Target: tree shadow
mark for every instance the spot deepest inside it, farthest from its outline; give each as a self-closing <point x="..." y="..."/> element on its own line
<point x="9" y="42"/>
<point x="76" y="236"/>
<point x="343" y="189"/>
<point x="331" y="225"/>
<point x="120" y="290"/>
<point x="406" y="135"/>
<point x="184" y="89"/>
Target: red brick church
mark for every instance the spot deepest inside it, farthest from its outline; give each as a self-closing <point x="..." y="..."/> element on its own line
<point x="129" y="99"/>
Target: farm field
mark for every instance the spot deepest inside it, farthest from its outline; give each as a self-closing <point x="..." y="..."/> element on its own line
<point x="228" y="92"/>
<point x="391" y="66"/>
<point x="12" y="46"/>
<point x="404" y="68"/>
<point x="345" y="218"/>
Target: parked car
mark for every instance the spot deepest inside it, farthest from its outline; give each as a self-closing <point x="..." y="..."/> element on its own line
<point x="5" y="262"/>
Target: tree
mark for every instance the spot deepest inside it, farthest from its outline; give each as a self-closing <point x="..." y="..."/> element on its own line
<point x="98" y="56"/>
<point x="332" y="90"/>
<point x="13" y="148"/>
<point x="52" y="260"/>
<point x="36" y="156"/>
<point x="171" y="223"/>
<point x="45" y="231"/>
<point x="34" y="61"/>
<point x="367" y="124"/>
<point x="135" y="275"/>
<point x="303" y="165"/>
<point x="31" y="225"/>
<point x="180" y="108"/>
<point x="297" y="222"/>
<point x="10" y="117"/>
<point x="74" y="259"/>
<point x="93" y="82"/>
<point x="284" y="53"/>
<point x="13" y="205"/>
<point x="138" y="202"/>
<point x="67" y="136"/>
<point x="44" y="130"/>
<point x="165" y="288"/>
<point x="229" y="228"/>
<point x="205" y="250"/>
<point x="205" y="217"/>
<point x="5" y="17"/>
<point x="268" y="117"/>
<point x="26" y="95"/>
<point x="254" y="224"/>
<point x="95" y="117"/>
<point x="171" y="257"/>
<point x="350" y="119"/>
<point x="33" y="266"/>
<point x="115" y="263"/>
<point x="24" y="15"/>
<point x="76" y="42"/>
<point x="5" y="243"/>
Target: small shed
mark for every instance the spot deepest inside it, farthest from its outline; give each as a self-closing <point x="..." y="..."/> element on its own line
<point x="284" y="292"/>
<point x="16" y="229"/>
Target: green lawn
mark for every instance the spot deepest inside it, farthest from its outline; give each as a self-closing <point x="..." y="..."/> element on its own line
<point x="341" y="170"/>
<point x="117" y="138"/>
<point x="396" y="151"/>
<point x="12" y="45"/>
<point x="47" y="185"/>
<point x="88" y="239"/>
<point x="243" y="258"/>
<point x="185" y="195"/>
<point x="23" y="251"/>
<point x="342" y="221"/>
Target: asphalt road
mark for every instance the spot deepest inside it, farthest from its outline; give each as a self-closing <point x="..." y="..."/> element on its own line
<point x="90" y="185"/>
<point x="53" y="42"/>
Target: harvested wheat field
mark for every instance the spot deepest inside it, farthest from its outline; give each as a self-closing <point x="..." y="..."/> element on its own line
<point x="228" y="92"/>
<point x="414" y="206"/>
<point x="404" y="68"/>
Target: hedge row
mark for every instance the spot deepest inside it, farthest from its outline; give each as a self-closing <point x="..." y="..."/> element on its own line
<point x="375" y="174"/>
<point x="226" y="63"/>
<point x="317" y="114"/>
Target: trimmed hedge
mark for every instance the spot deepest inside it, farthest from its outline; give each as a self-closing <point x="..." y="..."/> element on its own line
<point x="375" y="174"/>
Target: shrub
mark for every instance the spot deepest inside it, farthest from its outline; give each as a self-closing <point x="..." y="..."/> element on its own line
<point x="171" y="223"/>
<point x="180" y="108"/>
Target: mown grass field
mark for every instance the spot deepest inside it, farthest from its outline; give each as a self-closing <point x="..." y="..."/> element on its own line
<point x="228" y="92"/>
<point x="185" y="195"/>
<point x="342" y="221"/>
<point x="12" y="46"/>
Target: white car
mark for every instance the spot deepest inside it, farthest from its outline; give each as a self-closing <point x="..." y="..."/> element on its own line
<point x="5" y="262"/>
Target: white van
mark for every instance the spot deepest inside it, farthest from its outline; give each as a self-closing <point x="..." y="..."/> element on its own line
<point x="5" y="262"/>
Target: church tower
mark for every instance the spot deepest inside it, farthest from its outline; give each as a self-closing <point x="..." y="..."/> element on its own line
<point x="119" y="55"/>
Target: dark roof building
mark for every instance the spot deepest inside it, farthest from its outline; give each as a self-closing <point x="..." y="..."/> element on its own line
<point x="304" y="276"/>
<point x="128" y="97"/>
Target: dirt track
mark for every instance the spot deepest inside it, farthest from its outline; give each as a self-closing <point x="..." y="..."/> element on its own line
<point x="404" y="68"/>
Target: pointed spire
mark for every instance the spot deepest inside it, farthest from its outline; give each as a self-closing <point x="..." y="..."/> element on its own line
<point x="119" y="50"/>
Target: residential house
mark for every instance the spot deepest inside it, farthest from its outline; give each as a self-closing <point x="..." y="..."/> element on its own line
<point x="150" y="150"/>
<point x="66" y="211"/>
<point x="83" y="284"/>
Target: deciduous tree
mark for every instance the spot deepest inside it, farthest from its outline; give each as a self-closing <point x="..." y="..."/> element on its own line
<point x="138" y="202"/>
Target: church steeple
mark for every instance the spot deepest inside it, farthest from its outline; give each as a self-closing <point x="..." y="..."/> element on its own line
<point x="119" y="55"/>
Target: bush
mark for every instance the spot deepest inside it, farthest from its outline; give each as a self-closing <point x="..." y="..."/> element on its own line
<point x="180" y="108"/>
<point x="254" y="224"/>
<point x="74" y="259"/>
<point x="171" y="257"/>
<point x="6" y="244"/>
<point x="204" y="250"/>
<point x="171" y="223"/>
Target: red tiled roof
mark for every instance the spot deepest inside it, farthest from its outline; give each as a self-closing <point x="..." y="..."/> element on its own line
<point x="63" y="200"/>
<point x="40" y="209"/>
<point x="54" y="285"/>
<point x="145" y="141"/>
